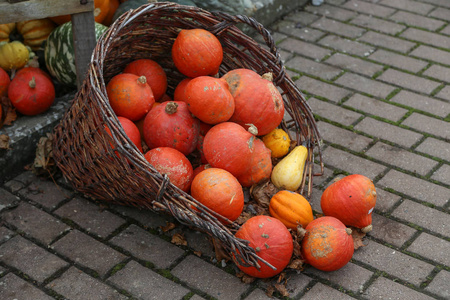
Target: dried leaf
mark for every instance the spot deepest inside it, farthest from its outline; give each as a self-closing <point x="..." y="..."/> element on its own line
<point x="245" y="278"/>
<point x="270" y="290"/>
<point x="169" y="226"/>
<point x="358" y="237"/>
<point x="297" y="264"/>
<point x="44" y="163"/>
<point x="9" y="112"/>
<point x="198" y="253"/>
<point x="281" y="288"/>
<point x="4" y="141"/>
<point x="263" y="192"/>
<point x="179" y="239"/>
<point x="243" y="218"/>
<point x="220" y="251"/>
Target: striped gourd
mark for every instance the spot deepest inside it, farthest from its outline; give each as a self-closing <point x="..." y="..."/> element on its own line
<point x="59" y="53"/>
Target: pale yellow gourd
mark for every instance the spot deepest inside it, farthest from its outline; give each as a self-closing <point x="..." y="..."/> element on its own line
<point x="278" y="142"/>
<point x="288" y="173"/>
<point x="14" y="55"/>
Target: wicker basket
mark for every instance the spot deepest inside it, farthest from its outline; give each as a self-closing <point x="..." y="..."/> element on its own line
<point x="87" y="155"/>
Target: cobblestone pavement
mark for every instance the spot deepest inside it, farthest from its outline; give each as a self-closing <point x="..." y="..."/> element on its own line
<point x="376" y="74"/>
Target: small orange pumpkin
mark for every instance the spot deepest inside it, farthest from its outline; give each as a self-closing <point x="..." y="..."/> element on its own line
<point x="5" y="31"/>
<point x="35" y="32"/>
<point x="291" y="208"/>
<point x="101" y="8"/>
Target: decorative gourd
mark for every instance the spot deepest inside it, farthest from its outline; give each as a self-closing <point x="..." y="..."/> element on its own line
<point x="209" y="99"/>
<point x="59" y="53"/>
<point x="153" y="72"/>
<point x="220" y="191"/>
<point x="197" y="52"/>
<point x="31" y="93"/>
<point x="259" y="166"/>
<point x="4" y="83"/>
<point x="288" y="173"/>
<point x="174" y="164"/>
<point x="257" y="100"/>
<point x="170" y="124"/>
<point x="101" y="8"/>
<point x="271" y="241"/>
<point x="130" y="96"/>
<point x="35" y="32"/>
<point x="327" y="244"/>
<point x="351" y="200"/>
<point x="229" y="146"/>
<point x="180" y="90"/>
<point x="5" y="31"/>
<point x="14" y="55"/>
<point x="278" y="142"/>
<point x="291" y="208"/>
<point x="201" y="168"/>
<point x="113" y="6"/>
<point x="126" y="6"/>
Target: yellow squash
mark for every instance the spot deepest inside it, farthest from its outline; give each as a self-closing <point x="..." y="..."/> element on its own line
<point x="291" y="208"/>
<point x="35" y="32"/>
<point x="278" y="142"/>
<point x="5" y="31"/>
<point x="288" y="173"/>
<point x="13" y="55"/>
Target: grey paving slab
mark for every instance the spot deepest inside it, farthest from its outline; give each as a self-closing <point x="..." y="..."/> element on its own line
<point x="378" y="24"/>
<point x="338" y="28"/>
<point x="438" y="72"/>
<point x="292" y="29"/>
<point x="20" y="181"/>
<point x="387" y="41"/>
<point x="322" y="89"/>
<point x="258" y="294"/>
<point x="390" y="231"/>
<point x="46" y="193"/>
<point x="365" y="85"/>
<point x="431" y="247"/>
<point x="428" y="124"/>
<point x="331" y="12"/>
<point x="346" y="45"/>
<point x="313" y="68"/>
<point x="354" y="64"/>
<point x="321" y="291"/>
<point x="413" y="6"/>
<point x="384" y="288"/>
<point x="146" y="218"/>
<point x="5" y="234"/>
<point x="434" y="106"/>
<point x="396" y="60"/>
<point x="432" y="54"/>
<point x="369" y="8"/>
<point x="444" y="93"/>
<point x="427" y="37"/>
<point x="442" y="174"/>
<point x="343" y="137"/>
<point x="333" y="112"/>
<point x="408" y="81"/>
<point x="375" y="107"/>
<point x="385" y="200"/>
<point x="304" y="48"/>
<point x="435" y="147"/>
<point x="13" y="287"/>
<point x="417" y="21"/>
<point x="7" y="200"/>
<point x="439" y="285"/>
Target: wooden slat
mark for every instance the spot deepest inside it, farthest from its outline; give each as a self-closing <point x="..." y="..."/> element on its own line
<point x="39" y="9"/>
<point x="84" y="41"/>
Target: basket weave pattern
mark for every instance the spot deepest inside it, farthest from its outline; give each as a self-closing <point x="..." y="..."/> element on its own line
<point x="110" y="168"/>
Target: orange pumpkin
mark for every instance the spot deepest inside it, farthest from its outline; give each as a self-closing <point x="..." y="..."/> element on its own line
<point x="4" y="83"/>
<point x="35" y="32"/>
<point x="5" y="31"/>
<point x="101" y="8"/>
<point x="258" y="167"/>
<point x="351" y="200"/>
<point x="180" y="90"/>
<point x="291" y="208"/>
<point x="113" y="5"/>
<point x="327" y="244"/>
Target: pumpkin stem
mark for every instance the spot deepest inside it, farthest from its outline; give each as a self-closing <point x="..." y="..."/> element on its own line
<point x="32" y="83"/>
<point x="252" y="129"/>
<point x="367" y="228"/>
<point x="268" y="76"/>
<point x="142" y="79"/>
<point x="171" y="108"/>
<point x="348" y="230"/>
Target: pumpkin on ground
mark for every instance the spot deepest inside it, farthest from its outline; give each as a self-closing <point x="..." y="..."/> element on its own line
<point x="4" y="83"/>
<point x="31" y="93"/>
<point x="197" y="52"/>
<point x="291" y="208"/>
<point x="220" y="191"/>
<point x="257" y="100"/>
<point x="5" y="31"/>
<point x="271" y="241"/>
<point x="35" y="32"/>
<point x="351" y="200"/>
<point x="174" y="164"/>
<point x="327" y="244"/>
<point x="13" y="55"/>
<point x="170" y="124"/>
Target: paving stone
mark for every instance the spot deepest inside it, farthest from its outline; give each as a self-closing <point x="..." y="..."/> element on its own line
<point x="429" y="125"/>
<point x="7" y="200"/>
<point x="427" y="104"/>
<point x="76" y="285"/>
<point x="409" y="81"/>
<point x="390" y="231"/>
<point x="376" y="107"/>
<point x="401" y="158"/>
<point x="315" y="200"/>
<point x="258" y="294"/>
<point x="20" y="181"/>
<point x="386" y="131"/>
<point x="351" y="163"/>
<point x="354" y="64"/>
<point x="30" y="259"/>
<point x="5" y="234"/>
<point x="430" y="53"/>
<point x="435" y="147"/>
<point x="432" y="248"/>
<point x="321" y="291"/>
<point x="419" y="8"/>
<point x="203" y="276"/>
<point x="369" y="8"/>
<point x="415" y="187"/>
<point x="88" y="252"/>
<point x="444" y="3"/>
<point x="90" y="217"/>
<point x="387" y="41"/>
<point x="292" y="29"/>
<point x="146" y="246"/>
<point x="146" y="218"/>
<point x="332" y="12"/>
<point x="444" y="93"/>
<point x="343" y="137"/>
<point x="350" y="277"/>
<point x="398" y="60"/>
<point x="302" y="16"/>
<point x="440" y="13"/>
<point x="333" y="112"/>
<point x="46" y="193"/>
<point x="317" y="69"/>
<point x="338" y="28"/>
<point x="365" y="85"/>
<point x="442" y="174"/>
<point x="385" y="200"/>
<point x="423" y="216"/>
<point x="197" y="297"/>
<point x="445" y="30"/>
<point x="12" y="287"/>
<point x="378" y="24"/>
<point x="384" y="288"/>
<point x="198" y="241"/>
<point x="440" y="285"/>
<point x="417" y="21"/>
<point x="35" y="223"/>
<point x="394" y="262"/>
<point x="297" y="283"/>
<point x="318" y="180"/>
<point x="304" y="48"/>
<point x="346" y="45"/>
<point x="426" y="37"/>
<point x="438" y="72"/>
<point x="145" y="284"/>
<point x="322" y="89"/>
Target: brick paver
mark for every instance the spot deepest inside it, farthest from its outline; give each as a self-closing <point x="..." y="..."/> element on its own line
<point x="417" y="21"/>
<point x="427" y="37"/>
<point x="331" y="12"/>
<point x="311" y="67"/>
<point x="387" y="41"/>
<point x="413" y="6"/>
<point x="390" y="231"/>
<point x="432" y="54"/>
<point x="338" y="28"/>
<point x="439" y="284"/>
<point x="354" y="64"/>
<point x="333" y="112"/>
<point x="435" y="147"/>
<point x="365" y="85"/>
<point x="438" y="72"/>
<point x="432" y="248"/>
<point x="442" y="174"/>
<point x="343" y="137"/>
<point x="398" y="60"/>
<point x="408" y="81"/>
<point x="321" y="291"/>
<point x="369" y="8"/>
<point x="384" y="288"/>
<point x="375" y="107"/>
<point x="429" y="125"/>
<point x="320" y="88"/>
<point x="378" y="24"/>
<point x="13" y="287"/>
<point x="436" y="107"/>
<point x="346" y="45"/>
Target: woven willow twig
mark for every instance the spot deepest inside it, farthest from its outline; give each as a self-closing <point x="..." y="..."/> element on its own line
<point x="110" y="168"/>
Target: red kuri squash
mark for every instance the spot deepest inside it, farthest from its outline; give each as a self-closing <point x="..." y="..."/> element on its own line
<point x="259" y="166"/>
<point x="4" y="83"/>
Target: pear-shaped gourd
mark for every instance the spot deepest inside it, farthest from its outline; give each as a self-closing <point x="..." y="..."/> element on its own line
<point x="288" y="173"/>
